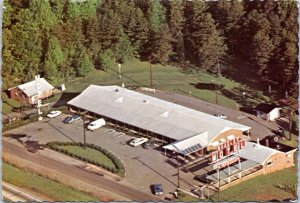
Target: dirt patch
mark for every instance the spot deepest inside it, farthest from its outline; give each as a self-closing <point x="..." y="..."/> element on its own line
<point x="265" y="197"/>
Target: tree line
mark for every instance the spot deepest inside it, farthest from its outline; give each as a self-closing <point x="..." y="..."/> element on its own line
<point x="63" y="39"/>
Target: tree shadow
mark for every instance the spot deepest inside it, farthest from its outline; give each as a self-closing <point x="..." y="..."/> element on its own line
<point x="31" y="146"/>
<point x="65" y="97"/>
<point x="207" y="86"/>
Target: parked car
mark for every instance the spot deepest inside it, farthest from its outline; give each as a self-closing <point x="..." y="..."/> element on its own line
<point x="71" y="119"/>
<point x="203" y="178"/>
<point x="53" y="114"/>
<point x="137" y="141"/>
<point x="219" y="115"/>
<point x="157" y="189"/>
<point x="96" y="124"/>
<point x="152" y="144"/>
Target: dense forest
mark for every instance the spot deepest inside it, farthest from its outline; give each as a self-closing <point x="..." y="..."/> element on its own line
<point x="63" y="39"/>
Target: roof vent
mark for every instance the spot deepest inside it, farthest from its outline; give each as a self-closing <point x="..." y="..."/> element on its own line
<point x="119" y="100"/>
<point x="117" y="90"/>
<point x="165" y="114"/>
<point x="146" y="101"/>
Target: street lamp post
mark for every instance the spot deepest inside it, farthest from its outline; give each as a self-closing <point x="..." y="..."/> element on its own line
<point x="120" y="73"/>
<point x="216" y="90"/>
<point x="244" y="98"/>
<point x="150" y="74"/>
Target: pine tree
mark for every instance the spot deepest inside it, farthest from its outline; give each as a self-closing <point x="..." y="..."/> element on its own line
<point x="161" y="46"/>
<point x="156" y="15"/>
<point x="228" y="15"/>
<point x="175" y="20"/>
<point x="107" y="59"/>
<point x="262" y="50"/>
<point x="54" y="58"/>
<point x="124" y="49"/>
<point x="204" y="41"/>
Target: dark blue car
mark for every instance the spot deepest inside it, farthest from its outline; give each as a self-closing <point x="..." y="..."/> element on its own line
<point x="157" y="189"/>
<point x="72" y="119"/>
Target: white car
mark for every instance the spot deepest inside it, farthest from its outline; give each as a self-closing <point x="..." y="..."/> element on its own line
<point x="220" y="115"/>
<point x="138" y="141"/>
<point x="96" y="124"/>
<point x="53" y="114"/>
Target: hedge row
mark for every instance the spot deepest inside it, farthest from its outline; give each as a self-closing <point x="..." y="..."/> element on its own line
<point x="120" y="169"/>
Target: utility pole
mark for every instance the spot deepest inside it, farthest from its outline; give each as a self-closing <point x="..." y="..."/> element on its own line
<point x="150" y="74"/>
<point x="178" y="176"/>
<point x="84" y="130"/>
<point x="290" y="123"/>
<point x="218" y="184"/>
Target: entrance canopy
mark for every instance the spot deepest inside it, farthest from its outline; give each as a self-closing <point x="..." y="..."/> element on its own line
<point x="190" y="144"/>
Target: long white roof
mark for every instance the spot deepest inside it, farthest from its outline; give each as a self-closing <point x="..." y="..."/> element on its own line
<point x="152" y="114"/>
<point x="39" y="84"/>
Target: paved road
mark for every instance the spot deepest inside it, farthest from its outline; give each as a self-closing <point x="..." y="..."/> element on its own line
<point x="259" y="128"/>
<point x="65" y="169"/>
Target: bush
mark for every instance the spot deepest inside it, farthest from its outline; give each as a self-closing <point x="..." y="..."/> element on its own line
<point x="118" y="164"/>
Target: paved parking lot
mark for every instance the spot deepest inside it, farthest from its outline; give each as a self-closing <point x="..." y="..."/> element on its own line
<point x="143" y="166"/>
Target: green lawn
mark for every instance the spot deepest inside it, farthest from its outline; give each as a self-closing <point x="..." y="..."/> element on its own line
<point x="263" y="188"/>
<point x="89" y="153"/>
<point x="34" y="182"/>
<point x="136" y="73"/>
<point x="6" y="108"/>
<point x="9" y="104"/>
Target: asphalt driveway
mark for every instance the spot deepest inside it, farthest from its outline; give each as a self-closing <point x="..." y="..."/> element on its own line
<point x="143" y="166"/>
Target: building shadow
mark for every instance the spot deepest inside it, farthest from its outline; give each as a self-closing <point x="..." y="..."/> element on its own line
<point x="18" y="137"/>
<point x="65" y="97"/>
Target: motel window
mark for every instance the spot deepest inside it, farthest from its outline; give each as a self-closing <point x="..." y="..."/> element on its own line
<point x="269" y="162"/>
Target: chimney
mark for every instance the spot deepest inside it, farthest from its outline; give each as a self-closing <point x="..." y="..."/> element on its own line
<point x="257" y="141"/>
<point x="267" y="143"/>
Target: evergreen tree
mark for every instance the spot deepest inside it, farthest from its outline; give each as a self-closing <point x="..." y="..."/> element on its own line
<point x="82" y="10"/>
<point x="107" y="59"/>
<point x="124" y="49"/>
<point x="161" y="46"/>
<point x="228" y="15"/>
<point x="205" y="43"/>
<point x="262" y="48"/>
<point x="156" y="15"/>
<point x="54" y="58"/>
<point x="176" y="20"/>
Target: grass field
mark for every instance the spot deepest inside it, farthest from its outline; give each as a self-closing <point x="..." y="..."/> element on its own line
<point x="91" y="154"/>
<point x="47" y="187"/>
<point x="6" y="108"/>
<point x="265" y="187"/>
<point x="9" y="104"/>
<point x="136" y="74"/>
